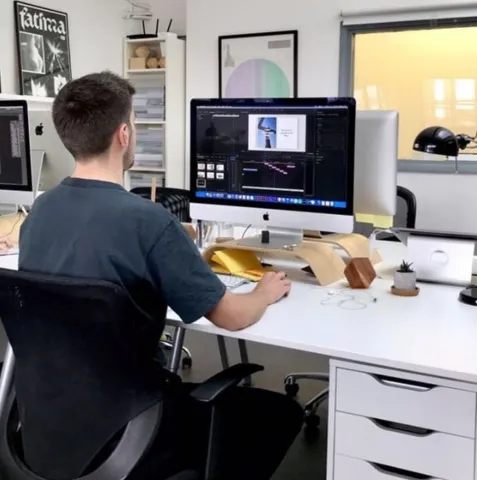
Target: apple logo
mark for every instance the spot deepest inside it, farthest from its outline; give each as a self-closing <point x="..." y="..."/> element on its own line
<point x="266" y="217"/>
<point x="39" y="130"/>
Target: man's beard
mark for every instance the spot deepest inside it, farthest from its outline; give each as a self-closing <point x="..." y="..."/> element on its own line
<point x="128" y="157"/>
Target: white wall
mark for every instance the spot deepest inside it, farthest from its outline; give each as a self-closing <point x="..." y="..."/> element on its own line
<point x="445" y="201"/>
<point x="96" y="32"/>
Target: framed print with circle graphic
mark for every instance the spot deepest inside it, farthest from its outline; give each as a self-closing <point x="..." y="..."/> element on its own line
<point x="43" y="49"/>
<point x="259" y="65"/>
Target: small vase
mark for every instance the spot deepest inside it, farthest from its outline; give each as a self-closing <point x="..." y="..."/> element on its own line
<point x="405" y="280"/>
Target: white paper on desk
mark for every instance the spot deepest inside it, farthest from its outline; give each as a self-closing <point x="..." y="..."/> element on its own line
<point x="10" y="262"/>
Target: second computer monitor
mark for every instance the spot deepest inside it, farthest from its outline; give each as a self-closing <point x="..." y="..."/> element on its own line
<point x="278" y="162"/>
<point x="58" y="163"/>
<point x="15" y="160"/>
<point x="376" y="151"/>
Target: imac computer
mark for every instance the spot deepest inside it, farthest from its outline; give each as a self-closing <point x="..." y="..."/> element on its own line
<point x="58" y="163"/>
<point x="16" y="187"/>
<point x="284" y="163"/>
<point x="375" y="166"/>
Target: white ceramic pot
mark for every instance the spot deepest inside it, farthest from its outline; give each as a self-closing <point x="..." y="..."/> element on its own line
<point x="405" y="280"/>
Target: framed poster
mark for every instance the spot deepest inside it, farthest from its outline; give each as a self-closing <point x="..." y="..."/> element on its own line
<point x="259" y="65"/>
<point x="43" y="48"/>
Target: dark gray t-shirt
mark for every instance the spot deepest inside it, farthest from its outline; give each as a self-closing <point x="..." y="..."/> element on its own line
<point x="98" y="230"/>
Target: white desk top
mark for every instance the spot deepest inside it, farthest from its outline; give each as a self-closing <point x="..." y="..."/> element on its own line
<point x="433" y="333"/>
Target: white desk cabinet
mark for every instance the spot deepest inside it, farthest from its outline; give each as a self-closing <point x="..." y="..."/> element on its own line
<point x="390" y="425"/>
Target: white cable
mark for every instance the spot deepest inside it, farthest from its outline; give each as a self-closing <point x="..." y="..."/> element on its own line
<point x="23" y="209"/>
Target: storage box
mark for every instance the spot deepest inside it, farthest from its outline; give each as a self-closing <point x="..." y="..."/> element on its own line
<point x="137" y="63"/>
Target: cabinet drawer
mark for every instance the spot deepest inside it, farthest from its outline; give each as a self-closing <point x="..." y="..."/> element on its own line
<point x="429" y="453"/>
<point x="347" y="468"/>
<point x="437" y="408"/>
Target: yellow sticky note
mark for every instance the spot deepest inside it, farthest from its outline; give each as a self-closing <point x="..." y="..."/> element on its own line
<point x="379" y="221"/>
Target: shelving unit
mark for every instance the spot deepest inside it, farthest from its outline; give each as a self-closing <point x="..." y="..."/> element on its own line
<point x="159" y="105"/>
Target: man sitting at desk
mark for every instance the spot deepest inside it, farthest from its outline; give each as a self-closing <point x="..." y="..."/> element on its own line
<point x="89" y="226"/>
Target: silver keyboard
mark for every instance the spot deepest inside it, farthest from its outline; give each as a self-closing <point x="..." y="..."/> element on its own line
<point x="231" y="281"/>
<point x="11" y="251"/>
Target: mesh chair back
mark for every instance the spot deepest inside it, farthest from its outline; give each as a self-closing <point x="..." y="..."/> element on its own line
<point x="80" y="375"/>
<point x="176" y="200"/>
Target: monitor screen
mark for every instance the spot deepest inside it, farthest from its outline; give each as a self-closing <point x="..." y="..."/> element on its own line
<point x="15" y="166"/>
<point x="285" y="153"/>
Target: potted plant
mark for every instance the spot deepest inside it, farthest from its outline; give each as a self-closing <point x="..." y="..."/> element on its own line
<point x="405" y="277"/>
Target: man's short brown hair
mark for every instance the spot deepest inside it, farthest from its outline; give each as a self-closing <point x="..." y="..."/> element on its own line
<point x="88" y="111"/>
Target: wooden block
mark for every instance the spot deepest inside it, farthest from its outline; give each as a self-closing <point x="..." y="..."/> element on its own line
<point x="191" y="231"/>
<point x="153" y="189"/>
<point x="136" y="63"/>
<point x="360" y="273"/>
<point x="223" y="239"/>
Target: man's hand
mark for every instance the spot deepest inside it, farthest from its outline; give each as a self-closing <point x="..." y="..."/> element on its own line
<point x="273" y="286"/>
<point x="5" y="244"/>
<point x="237" y="311"/>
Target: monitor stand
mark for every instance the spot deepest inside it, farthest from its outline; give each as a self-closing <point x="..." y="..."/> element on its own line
<point x="278" y="238"/>
<point x="37" y="159"/>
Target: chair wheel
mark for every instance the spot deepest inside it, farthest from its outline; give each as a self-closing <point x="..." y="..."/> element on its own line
<point x="312" y="421"/>
<point x="292" y="389"/>
<point x="311" y="435"/>
<point x="186" y="363"/>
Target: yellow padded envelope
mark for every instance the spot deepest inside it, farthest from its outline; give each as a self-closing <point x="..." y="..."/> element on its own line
<point x="242" y="263"/>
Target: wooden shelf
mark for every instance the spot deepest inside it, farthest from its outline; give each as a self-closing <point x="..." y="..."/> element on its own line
<point x="143" y="121"/>
<point x="148" y="71"/>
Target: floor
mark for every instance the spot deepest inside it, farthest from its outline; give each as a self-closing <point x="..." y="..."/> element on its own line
<point x="306" y="460"/>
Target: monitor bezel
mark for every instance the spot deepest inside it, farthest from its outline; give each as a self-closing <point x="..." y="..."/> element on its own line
<point x="26" y="125"/>
<point x="348" y="102"/>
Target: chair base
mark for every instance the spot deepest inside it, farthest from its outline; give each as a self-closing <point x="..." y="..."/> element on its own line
<point x="312" y="420"/>
<point x="187" y="356"/>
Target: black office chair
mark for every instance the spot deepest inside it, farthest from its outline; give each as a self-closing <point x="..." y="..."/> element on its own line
<point x="84" y="404"/>
<point x="406" y="212"/>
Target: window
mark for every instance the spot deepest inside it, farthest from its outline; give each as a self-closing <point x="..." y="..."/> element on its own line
<point x="427" y="73"/>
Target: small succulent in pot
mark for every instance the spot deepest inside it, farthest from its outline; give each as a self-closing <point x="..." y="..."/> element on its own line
<point x="405" y="277"/>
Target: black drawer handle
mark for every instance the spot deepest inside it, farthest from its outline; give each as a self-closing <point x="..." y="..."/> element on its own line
<point x="402" y="428"/>
<point x="405" y="384"/>
<point x="398" y="472"/>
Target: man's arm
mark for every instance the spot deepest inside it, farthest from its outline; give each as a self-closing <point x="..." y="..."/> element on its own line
<point x="193" y="291"/>
<point x="238" y="311"/>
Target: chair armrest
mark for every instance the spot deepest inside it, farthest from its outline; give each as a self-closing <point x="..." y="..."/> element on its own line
<point x="215" y="386"/>
<point x="185" y="476"/>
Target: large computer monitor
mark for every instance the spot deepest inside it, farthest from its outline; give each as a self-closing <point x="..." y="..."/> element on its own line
<point x="375" y="167"/>
<point x="286" y="163"/>
<point x="58" y="163"/>
<point x="15" y="160"/>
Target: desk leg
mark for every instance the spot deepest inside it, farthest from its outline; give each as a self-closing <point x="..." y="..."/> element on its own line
<point x="244" y="359"/>
<point x="177" y="343"/>
<point x="6" y="379"/>
<point x="224" y="357"/>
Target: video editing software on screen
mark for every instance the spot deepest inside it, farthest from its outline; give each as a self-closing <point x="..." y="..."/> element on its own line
<point x="277" y="154"/>
<point x="13" y="157"/>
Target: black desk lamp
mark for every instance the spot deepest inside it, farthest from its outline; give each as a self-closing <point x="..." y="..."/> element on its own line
<point x="441" y="141"/>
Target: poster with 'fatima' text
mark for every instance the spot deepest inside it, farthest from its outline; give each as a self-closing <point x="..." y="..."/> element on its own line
<point x="43" y="49"/>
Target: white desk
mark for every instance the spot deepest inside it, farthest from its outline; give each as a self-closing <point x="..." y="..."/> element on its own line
<point x="426" y="344"/>
<point x="432" y="333"/>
